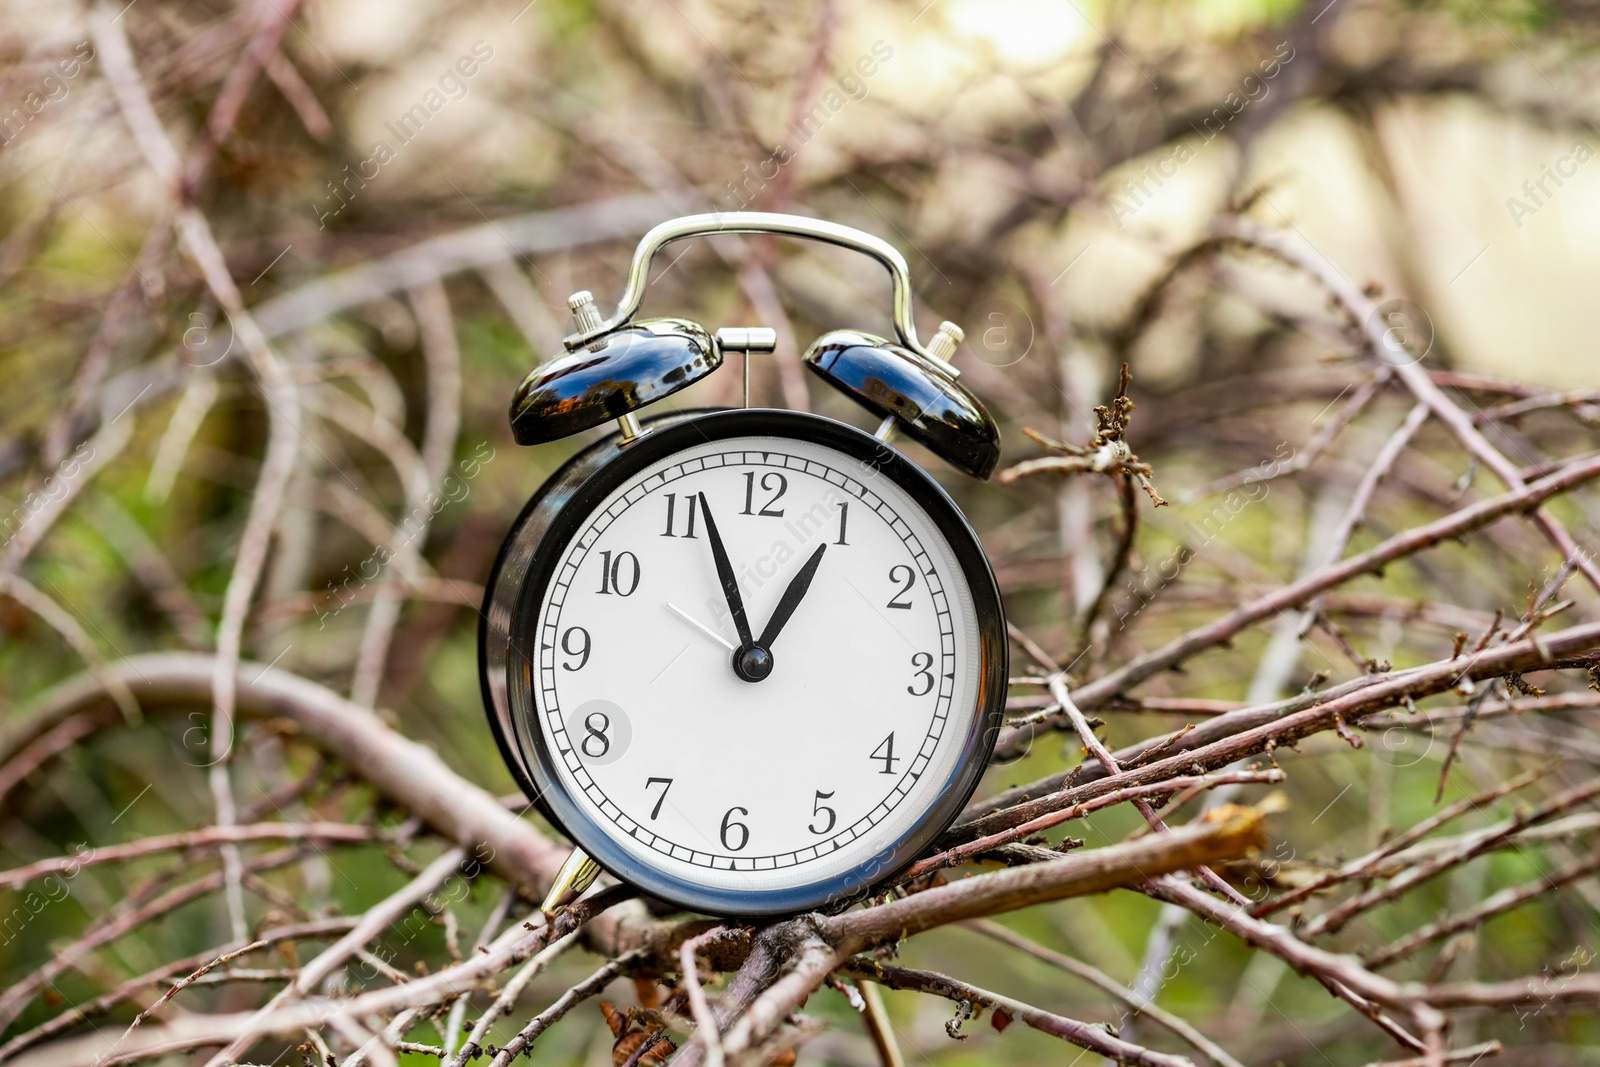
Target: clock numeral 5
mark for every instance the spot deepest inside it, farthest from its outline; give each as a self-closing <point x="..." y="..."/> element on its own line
<point x="907" y="578"/>
<point x="619" y="575"/>
<point x="729" y="823"/>
<point x="885" y="752"/>
<point x="817" y="808"/>
<point x="772" y="482"/>
<point x="582" y="651"/>
<point x="690" y="502"/>
<point x="923" y="662"/>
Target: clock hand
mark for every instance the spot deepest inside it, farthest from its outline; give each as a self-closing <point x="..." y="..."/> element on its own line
<point x="730" y="585"/>
<point x="698" y="625"/>
<point x="791" y="599"/>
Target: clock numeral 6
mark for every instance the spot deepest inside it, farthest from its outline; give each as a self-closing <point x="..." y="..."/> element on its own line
<point x="595" y="743"/>
<point x="619" y="575"/>
<point x="818" y="807"/>
<point x="906" y="577"/>
<point x="885" y="752"/>
<point x="582" y="651"/>
<point x="923" y="662"/>
<point x="772" y="482"/>
<point x="729" y="823"/>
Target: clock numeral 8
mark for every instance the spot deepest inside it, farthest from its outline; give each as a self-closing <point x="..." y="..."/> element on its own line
<point x="728" y="823"/>
<point x="614" y="575"/>
<point x="596" y="734"/>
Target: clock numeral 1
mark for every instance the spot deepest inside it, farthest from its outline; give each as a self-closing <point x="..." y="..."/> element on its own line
<point x="617" y="576"/>
<point x="728" y="823"/>
<point x="595" y="743"/>
<point x="817" y="808"/>
<point x="666" y="784"/>
<point x="582" y="651"/>
<point x="885" y="752"/>
<point x="909" y="579"/>
<point x="923" y="662"/>
<point x="844" y="517"/>
<point x="690" y="501"/>
<point x="772" y="482"/>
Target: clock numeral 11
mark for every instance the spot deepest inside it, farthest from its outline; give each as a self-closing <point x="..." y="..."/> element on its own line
<point x="690" y="502"/>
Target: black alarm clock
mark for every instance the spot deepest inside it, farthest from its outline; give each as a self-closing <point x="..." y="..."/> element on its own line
<point x="751" y="661"/>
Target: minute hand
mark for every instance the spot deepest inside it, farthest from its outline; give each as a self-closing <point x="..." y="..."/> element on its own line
<point x="730" y="584"/>
<point x="791" y="598"/>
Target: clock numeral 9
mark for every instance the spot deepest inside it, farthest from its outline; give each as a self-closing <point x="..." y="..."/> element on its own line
<point x="728" y="823"/>
<point x="772" y="482"/>
<point x="885" y="753"/>
<point x="817" y="808"/>
<point x="582" y="651"/>
<point x="690" y="502"/>
<point x="923" y="662"/>
<point x="619" y="575"/>
<point x="595" y="743"/>
<point x="907" y="578"/>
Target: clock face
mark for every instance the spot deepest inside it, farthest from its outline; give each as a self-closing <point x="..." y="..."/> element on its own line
<point x="797" y="730"/>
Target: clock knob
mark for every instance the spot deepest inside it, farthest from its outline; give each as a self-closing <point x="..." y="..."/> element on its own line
<point x="915" y="394"/>
<point x="611" y="376"/>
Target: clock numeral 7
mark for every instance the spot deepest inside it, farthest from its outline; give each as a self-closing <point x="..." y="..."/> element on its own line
<point x="772" y="482"/>
<point x="690" y="502"/>
<point x="619" y="575"/>
<point x="666" y="784"/>
<point x="817" y="808"/>
<point x="885" y="753"/>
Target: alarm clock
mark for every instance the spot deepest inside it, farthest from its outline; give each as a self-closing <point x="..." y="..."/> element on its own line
<point x="751" y="661"/>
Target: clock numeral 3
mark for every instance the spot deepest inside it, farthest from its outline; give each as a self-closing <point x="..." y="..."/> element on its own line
<point x="728" y="823"/>
<point x="582" y="651"/>
<point x="922" y="661"/>
<point x="619" y="575"/>
<point x="772" y="482"/>
<point x="908" y="577"/>
<point x="666" y="784"/>
<point x="817" y="808"/>
<point x="690" y="501"/>
<point x="595" y="743"/>
<point x="885" y="752"/>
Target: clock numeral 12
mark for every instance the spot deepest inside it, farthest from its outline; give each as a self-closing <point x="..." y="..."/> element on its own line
<point x="690" y="503"/>
<point x="885" y="752"/>
<point x="615" y="577"/>
<point x="777" y="492"/>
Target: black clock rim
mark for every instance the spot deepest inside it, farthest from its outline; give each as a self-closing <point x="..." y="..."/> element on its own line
<point x="559" y="510"/>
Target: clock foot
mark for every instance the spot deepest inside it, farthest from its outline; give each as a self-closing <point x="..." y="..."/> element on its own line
<point x="576" y="875"/>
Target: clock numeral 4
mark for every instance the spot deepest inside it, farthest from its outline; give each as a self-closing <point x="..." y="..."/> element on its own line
<point x="595" y="743"/>
<point x="885" y="753"/>
<point x="923" y="662"/>
<point x="905" y="577"/>
<point x="690" y="502"/>
<point x="666" y="784"/>
<point x="729" y="823"/>
<point x="582" y="651"/>
<point x="771" y="482"/>
<point x="817" y="808"/>
<point x="619" y="575"/>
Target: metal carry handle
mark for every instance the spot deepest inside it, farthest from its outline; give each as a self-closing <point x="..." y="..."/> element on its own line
<point x="728" y="222"/>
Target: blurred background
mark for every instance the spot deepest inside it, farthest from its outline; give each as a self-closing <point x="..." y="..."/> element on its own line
<point x="404" y="197"/>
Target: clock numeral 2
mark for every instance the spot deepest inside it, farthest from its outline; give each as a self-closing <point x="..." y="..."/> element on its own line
<point x="817" y="808"/>
<point x="923" y="662"/>
<point x="767" y="483"/>
<point x="728" y="824"/>
<point x="582" y="652"/>
<point x="617" y="576"/>
<point x="909" y="579"/>
<point x="885" y="752"/>
<point x="665" y="783"/>
<point x="690" y="501"/>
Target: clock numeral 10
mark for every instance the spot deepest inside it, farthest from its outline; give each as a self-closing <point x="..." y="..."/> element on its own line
<point x="772" y="482"/>
<point x="885" y="753"/>
<point x="619" y="575"/>
<point x="817" y="808"/>
<point x="690" y="502"/>
<point x="729" y="824"/>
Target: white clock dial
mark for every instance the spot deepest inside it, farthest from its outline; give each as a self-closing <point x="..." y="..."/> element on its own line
<point x="808" y="771"/>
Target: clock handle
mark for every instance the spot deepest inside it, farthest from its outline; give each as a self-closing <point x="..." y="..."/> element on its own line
<point x="727" y="222"/>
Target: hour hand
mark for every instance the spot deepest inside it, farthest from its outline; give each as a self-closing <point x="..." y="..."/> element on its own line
<point x="791" y="599"/>
<point x="730" y="584"/>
